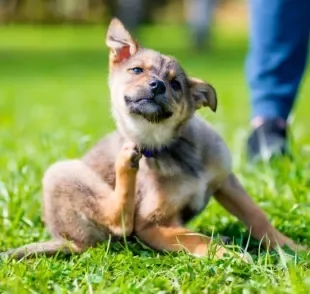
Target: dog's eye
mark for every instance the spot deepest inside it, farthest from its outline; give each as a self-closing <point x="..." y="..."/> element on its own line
<point x="176" y="86"/>
<point x="137" y="70"/>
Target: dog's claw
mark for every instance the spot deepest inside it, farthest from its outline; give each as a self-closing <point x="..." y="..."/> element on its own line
<point x="135" y="158"/>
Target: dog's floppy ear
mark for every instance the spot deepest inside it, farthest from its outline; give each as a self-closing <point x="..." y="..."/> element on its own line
<point x="203" y="94"/>
<point x="122" y="45"/>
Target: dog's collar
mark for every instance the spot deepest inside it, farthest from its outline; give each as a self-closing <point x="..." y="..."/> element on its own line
<point x="152" y="152"/>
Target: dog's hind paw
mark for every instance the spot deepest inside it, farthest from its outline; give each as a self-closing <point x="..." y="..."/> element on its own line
<point x="128" y="158"/>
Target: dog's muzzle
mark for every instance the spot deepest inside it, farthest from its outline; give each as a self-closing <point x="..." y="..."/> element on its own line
<point x="154" y="108"/>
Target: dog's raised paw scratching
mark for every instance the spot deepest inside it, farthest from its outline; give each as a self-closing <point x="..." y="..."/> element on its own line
<point x="129" y="157"/>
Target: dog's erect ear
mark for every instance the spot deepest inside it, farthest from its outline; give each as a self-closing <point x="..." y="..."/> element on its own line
<point x="203" y="94"/>
<point x="122" y="45"/>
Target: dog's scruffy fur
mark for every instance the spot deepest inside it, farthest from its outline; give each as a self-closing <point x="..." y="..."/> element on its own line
<point x="152" y="175"/>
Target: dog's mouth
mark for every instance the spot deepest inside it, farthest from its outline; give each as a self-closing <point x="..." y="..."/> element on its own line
<point x="153" y="109"/>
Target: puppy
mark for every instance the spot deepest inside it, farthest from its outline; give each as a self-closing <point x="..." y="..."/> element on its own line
<point x="154" y="173"/>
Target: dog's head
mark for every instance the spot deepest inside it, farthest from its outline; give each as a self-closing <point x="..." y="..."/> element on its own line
<point x="152" y="97"/>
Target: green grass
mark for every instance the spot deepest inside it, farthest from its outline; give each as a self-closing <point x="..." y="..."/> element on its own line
<point x="54" y="104"/>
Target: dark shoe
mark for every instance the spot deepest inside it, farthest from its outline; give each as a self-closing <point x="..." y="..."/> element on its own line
<point x="267" y="141"/>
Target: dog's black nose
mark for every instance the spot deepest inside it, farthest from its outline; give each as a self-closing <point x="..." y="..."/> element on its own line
<point x="158" y="87"/>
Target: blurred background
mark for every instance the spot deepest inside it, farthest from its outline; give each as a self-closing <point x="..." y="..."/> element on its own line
<point x="199" y="15"/>
<point x="132" y="12"/>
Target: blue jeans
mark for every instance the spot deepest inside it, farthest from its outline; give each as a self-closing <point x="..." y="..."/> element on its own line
<point x="279" y="37"/>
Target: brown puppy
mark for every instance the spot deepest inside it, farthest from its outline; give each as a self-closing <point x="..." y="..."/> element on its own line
<point x="158" y="170"/>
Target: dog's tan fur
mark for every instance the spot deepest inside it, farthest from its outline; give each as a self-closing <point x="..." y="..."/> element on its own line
<point x="114" y="190"/>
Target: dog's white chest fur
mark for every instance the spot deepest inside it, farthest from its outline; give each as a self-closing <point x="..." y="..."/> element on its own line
<point x="147" y="133"/>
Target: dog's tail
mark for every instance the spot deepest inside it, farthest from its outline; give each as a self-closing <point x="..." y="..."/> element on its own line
<point x="48" y="248"/>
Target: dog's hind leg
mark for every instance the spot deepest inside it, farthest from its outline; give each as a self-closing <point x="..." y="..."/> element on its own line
<point x="80" y="206"/>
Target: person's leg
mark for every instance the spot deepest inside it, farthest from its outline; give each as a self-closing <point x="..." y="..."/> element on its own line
<point x="279" y="36"/>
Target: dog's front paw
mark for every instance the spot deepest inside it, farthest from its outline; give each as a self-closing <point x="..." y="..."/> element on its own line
<point x="284" y="241"/>
<point x="128" y="158"/>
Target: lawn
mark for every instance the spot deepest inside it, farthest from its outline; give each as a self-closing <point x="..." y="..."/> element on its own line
<point x="54" y="104"/>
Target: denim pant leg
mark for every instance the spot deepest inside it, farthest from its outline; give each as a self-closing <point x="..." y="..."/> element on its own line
<point x="279" y="36"/>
